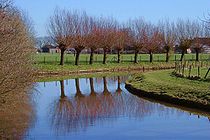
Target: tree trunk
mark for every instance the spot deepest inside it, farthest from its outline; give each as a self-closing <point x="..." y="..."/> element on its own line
<point x="91" y="56"/>
<point x="62" y="89"/>
<point x="118" y="85"/>
<point x="92" y="91"/>
<point x="197" y="55"/>
<point x="150" y="56"/>
<point x="182" y="56"/>
<point x="118" y="56"/>
<point x="167" y="56"/>
<point x="77" y="58"/>
<point x="62" y="57"/>
<point x="106" y="91"/>
<point x="105" y="56"/>
<point x="78" y="91"/>
<point x="136" y="57"/>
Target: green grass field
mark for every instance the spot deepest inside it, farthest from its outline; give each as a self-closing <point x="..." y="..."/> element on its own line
<point x="55" y="67"/>
<point x="163" y="83"/>
<point x="50" y="62"/>
<point x="112" y="58"/>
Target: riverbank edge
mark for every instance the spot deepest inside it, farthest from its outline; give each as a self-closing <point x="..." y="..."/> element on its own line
<point x="167" y="99"/>
<point x="43" y="73"/>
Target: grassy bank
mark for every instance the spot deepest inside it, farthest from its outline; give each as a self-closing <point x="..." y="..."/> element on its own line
<point x="192" y="69"/>
<point x="161" y="85"/>
<point x="194" y="74"/>
<point x="82" y="75"/>
<point x="107" y="67"/>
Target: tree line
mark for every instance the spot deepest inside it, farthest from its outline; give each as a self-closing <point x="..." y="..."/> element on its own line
<point x="74" y="29"/>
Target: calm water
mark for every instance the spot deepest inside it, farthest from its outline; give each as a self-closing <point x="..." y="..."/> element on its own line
<point x="101" y="108"/>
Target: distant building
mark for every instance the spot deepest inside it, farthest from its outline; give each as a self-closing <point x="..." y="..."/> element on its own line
<point x="50" y="49"/>
<point x="204" y="42"/>
<point x="206" y="48"/>
<point x="70" y="51"/>
<point x="38" y="50"/>
<point x="189" y="50"/>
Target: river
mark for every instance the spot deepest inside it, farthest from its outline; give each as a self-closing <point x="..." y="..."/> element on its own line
<point x="101" y="108"/>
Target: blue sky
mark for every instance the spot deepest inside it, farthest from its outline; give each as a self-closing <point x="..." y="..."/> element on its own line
<point x="122" y="10"/>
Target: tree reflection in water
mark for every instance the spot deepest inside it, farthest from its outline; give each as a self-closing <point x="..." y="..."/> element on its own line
<point x="74" y="113"/>
<point x="78" y="91"/>
<point x="62" y="111"/>
<point x="119" y="90"/>
<point x="16" y="114"/>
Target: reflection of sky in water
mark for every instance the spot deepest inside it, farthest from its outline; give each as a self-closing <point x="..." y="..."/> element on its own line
<point x="108" y="116"/>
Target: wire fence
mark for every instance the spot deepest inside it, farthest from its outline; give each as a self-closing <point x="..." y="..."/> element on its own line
<point x="192" y="69"/>
<point x="84" y="58"/>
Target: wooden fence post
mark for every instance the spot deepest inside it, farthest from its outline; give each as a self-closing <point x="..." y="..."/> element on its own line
<point x="175" y="67"/>
<point x="198" y="71"/>
<point x="190" y="71"/>
<point x="183" y="69"/>
<point x="207" y="73"/>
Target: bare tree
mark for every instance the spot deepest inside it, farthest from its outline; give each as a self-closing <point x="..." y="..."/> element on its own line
<point x="5" y="4"/>
<point x="16" y="48"/>
<point x="197" y="45"/>
<point x="16" y="73"/>
<point x="93" y="37"/>
<point x="81" y="26"/>
<point x="200" y="39"/>
<point x="206" y="22"/>
<point x="169" y="36"/>
<point x="137" y="28"/>
<point x="186" y="30"/>
<point x="59" y="30"/>
<point x="121" y="40"/>
<point x="40" y="42"/>
<point x="152" y="40"/>
<point x="106" y="35"/>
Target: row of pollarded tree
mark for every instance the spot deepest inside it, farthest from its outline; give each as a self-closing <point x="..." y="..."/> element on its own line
<point x="73" y="29"/>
